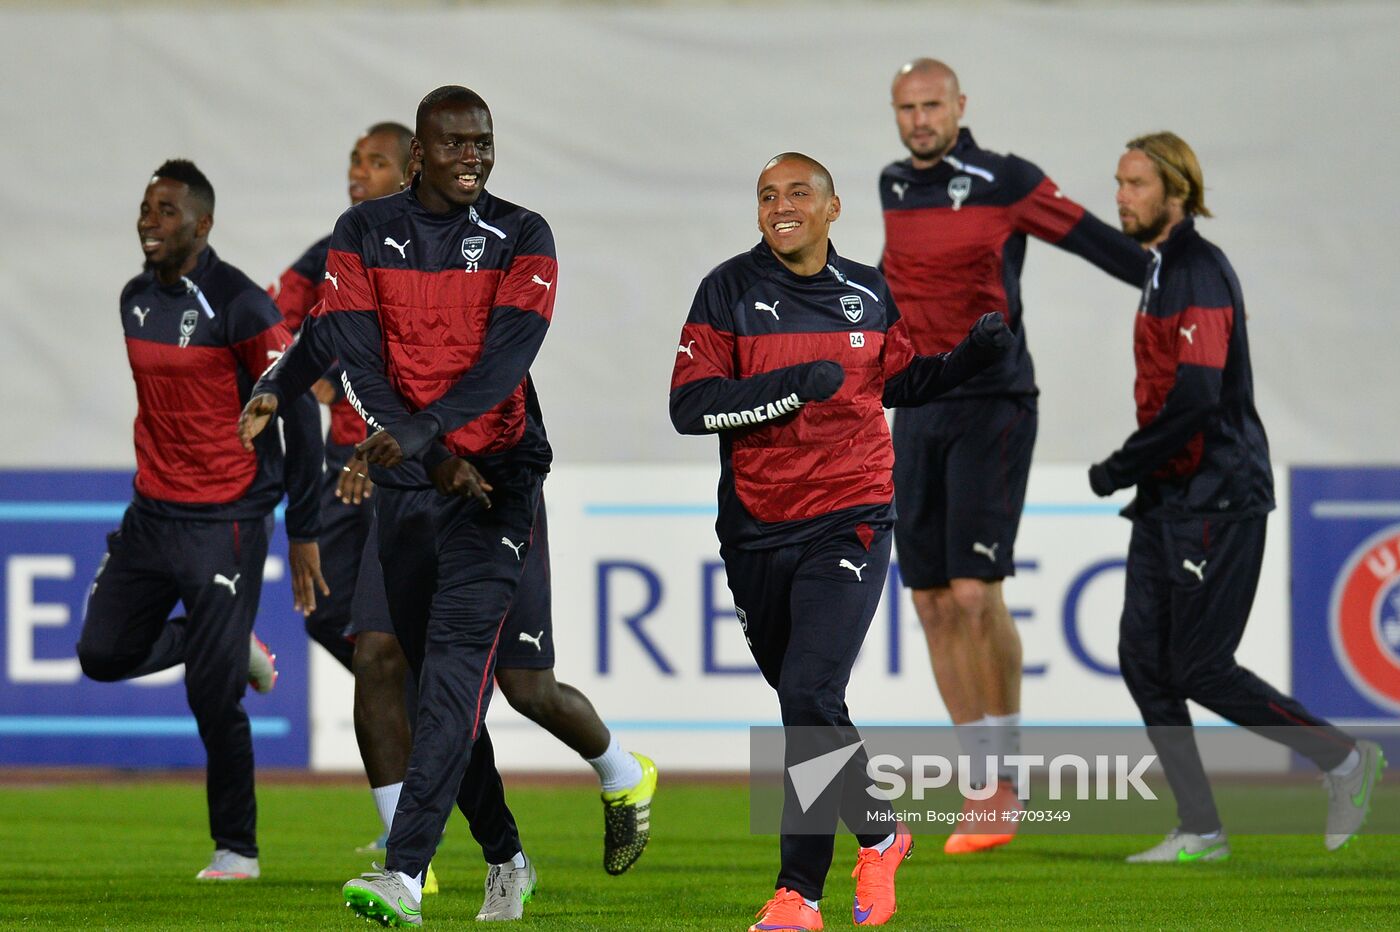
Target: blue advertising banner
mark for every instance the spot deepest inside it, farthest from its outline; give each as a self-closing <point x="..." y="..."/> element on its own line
<point x="1345" y="554"/>
<point x="53" y="530"/>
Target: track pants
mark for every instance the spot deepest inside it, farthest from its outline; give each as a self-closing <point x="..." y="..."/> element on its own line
<point x="215" y="568"/>
<point x="1190" y="585"/>
<point x="451" y="569"/>
<point x="805" y="609"/>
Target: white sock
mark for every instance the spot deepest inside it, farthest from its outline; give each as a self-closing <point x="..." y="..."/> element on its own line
<point x="386" y="800"/>
<point x="1005" y="735"/>
<point x="815" y="904"/>
<point x="1211" y="836"/>
<point x="975" y="739"/>
<point x="616" y="769"/>
<point x="518" y="861"/>
<point x="883" y="845"/>
<point x="414" y="884"/>
<point x="1348" y="765"/>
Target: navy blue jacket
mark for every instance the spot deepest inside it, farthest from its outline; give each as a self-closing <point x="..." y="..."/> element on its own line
<point x="955" y="242"/>
<point x="195" y="349"/>
<point x="1200" y="448"/>
<point x="759" y="346"/>
<point x="436" y="321"/>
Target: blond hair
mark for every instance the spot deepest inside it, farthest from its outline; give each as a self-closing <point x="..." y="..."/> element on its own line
<point x="1178" y="168"/>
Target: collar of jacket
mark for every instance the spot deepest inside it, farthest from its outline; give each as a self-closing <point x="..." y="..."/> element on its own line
<point x="774" y="266"/>
<point x="1182" y="235"/>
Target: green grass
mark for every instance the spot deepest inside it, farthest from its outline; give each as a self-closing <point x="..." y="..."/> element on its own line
<point x="124" y="856"/>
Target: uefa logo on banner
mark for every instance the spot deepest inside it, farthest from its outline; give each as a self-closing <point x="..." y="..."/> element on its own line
<point x="1364" y="618"/>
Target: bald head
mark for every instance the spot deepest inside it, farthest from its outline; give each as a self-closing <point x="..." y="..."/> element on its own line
<point x="928" y="107"/>
<point x="929" y="68"/>
<point x="819" y="173"/>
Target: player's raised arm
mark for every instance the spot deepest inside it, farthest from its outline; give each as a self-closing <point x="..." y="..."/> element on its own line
<point x="912" y="380"/>
<point x="1046" y="213"/>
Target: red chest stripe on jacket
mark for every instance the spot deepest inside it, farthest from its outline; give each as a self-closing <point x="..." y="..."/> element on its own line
<point x="1046" y="213"/>
<point x="703" y="353"/>
<point x="348" y="288"/>
<point x="529" y="285"/>
<point x="1198" y="336"/>
<point x="944" y="267"/>
<point x="187" y="447"/>
<point x="830" y="455"/>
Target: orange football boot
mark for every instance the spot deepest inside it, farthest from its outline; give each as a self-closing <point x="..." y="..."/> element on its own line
<point x="874" y="901"/>
<point x="976" y="836"/>
<point x="786" y="910"/>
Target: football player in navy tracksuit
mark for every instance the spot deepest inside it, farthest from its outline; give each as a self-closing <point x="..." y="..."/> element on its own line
<point x="198" y="333"/>
<point x="956" y="222"/>
<point x="440" y="298"/>
<point x="1200" y="461"/>
<point x="525" y="660"/>
<point x="789" y="355"/>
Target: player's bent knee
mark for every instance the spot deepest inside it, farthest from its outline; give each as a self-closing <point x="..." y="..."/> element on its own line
<point x="103" y="666"/>
<point x="1205" y="682"/>
<point x="379" y="659"/>
<point x="808" y="704"/>
<point x="532" y="693"/>
<point x="973" y="599"/>
<point x="935" y="609"/>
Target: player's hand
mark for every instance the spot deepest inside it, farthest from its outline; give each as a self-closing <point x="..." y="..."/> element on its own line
<point x="354" y="485"/>
<point x="822" y="379"/>
<point x="305" y="560"/>
<point x="1100" y="481"/>
<point x="256" y="413"/>
<point x="455" y="476"/>
<point x="324" y="391"/>
<point x="381" y="449"/>
<point x="990" y="332"/>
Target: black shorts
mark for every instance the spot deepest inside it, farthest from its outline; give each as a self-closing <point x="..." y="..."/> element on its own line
<point x="527" y="638"/>
<point x="960" y="472"/>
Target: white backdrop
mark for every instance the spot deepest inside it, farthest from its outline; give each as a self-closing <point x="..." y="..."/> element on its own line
<point x="639" y="133"/>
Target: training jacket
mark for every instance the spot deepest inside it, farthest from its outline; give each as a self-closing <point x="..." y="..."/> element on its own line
<point x="195" y="349"/>
<point x="955" y="242"/>
<point x="1200" y="448"/>
<point x="436" y="319"/>
<point x="747" y="366"/>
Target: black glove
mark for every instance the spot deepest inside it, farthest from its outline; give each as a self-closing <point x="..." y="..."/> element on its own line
<point x="821" y="380"/>
<point x="990" y="332"/>
<point x="1099" y="480"/>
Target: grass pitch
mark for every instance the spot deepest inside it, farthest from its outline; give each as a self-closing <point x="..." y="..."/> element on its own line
<point x="123" y="855"/>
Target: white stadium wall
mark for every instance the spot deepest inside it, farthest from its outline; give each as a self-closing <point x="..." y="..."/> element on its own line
<point x="639" y="133"/>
